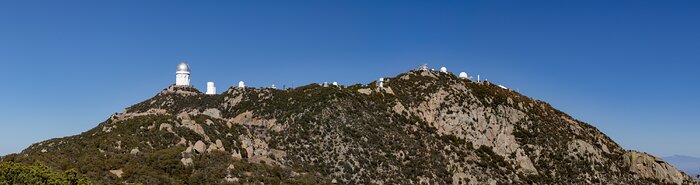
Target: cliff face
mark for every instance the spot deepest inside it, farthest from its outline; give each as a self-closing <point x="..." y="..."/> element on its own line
<point x="424" y="127"/>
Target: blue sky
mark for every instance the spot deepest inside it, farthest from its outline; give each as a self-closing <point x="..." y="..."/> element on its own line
<point x="627" y="67"/>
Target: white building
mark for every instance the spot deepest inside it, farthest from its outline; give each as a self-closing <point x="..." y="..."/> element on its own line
<point x="335" y="83"/>
<point x="380" y="83"/>
<point x="423" y="67"/>
<point x="443" y="70"/>
<point x="182" y="76"/>
<point x="241" y="84"/>
<point x="211" y="89"/>
<point x="273" y="86"/>
<point x="463" y="75"/>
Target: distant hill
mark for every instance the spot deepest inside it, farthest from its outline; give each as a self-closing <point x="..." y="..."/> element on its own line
<point x="688" y="164"/>
<point x="423" y="127"/>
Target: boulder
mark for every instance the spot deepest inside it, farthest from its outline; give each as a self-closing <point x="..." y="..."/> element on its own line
<point x="200" y="147"/>
<point x="186" y="161"/>
<point x="118" y="172"/>
<point x="134" y="151"/>
<point x="166" y="127"/>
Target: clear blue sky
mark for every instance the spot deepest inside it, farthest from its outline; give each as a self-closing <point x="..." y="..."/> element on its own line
<point x="629" y="68"/>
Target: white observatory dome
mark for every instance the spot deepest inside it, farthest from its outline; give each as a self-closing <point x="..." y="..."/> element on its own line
<point x="183" y="68"/>
<point x="443" y="69"/>
<point x="463" y="75"/>
<point x="182" y="75"/>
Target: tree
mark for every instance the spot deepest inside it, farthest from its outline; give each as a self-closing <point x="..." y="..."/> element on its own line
<point x="16" y="173"/>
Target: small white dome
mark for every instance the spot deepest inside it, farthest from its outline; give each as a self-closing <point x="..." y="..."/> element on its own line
<point x="241" y="84"/>
<point x="463" y="75"/>
<point x="183" y="67"/>
<point x="443" y="69"/>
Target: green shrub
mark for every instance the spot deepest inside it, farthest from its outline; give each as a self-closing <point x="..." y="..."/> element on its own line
<point x="16" y="173"/>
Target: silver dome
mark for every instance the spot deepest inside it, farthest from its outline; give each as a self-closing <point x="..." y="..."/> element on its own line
<point x="183" y="67"/>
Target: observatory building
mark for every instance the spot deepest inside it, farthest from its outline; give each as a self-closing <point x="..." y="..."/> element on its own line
<point x="423" y="67"/>
<point x="463" y="75"/>
<point x="182" y="76"/>
<point x="443" y="70"/>
<point x="241" y="84"/>
<point x="211" y="89"/>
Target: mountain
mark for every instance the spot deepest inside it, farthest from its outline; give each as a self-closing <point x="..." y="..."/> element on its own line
<point x="688" y="164"/>
<point x="423" y="127"/>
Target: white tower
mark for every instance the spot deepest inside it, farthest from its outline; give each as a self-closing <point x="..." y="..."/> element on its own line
<point x="211" y="89"/>
<point x="443" y="70"/>
<point x="241" y="84"/>
<point x="182" y="76"/>
<point x="380" y="83"/>
<point x="463" y="75"/>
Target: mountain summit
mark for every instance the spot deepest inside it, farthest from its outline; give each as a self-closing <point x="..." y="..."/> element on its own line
<point x="420" y="127"/>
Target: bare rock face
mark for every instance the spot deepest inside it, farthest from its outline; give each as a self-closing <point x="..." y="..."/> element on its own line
<point x="200" y="147"/>
<point x="214" y="113"/>
<point x="186" y="161"/>
<point x="166" y="127"/>
<point x="648" y="166"/>
<point x="187" y="91"/>
<point x="117" y="172"/>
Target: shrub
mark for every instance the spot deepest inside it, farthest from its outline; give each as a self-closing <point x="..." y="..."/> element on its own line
<point x="16" y="173"/>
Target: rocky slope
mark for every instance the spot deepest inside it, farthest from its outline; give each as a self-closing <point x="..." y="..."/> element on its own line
<point x="422" y="128"/>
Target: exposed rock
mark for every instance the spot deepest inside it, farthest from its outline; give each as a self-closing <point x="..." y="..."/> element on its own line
<point x="212" y="112"/>
<point x="199" y="147"/>
<point x="365" y="91"/>
<point x="220" y="145"/>
<point x="186" y="161"/>
<point x="231" y="179"/>
<point x="117" y="172"/>
<point x="182" y="142"/>
<point x="648" y="166"/>
<point x="134" y="151"/>
<point x="236" y="154"/>
<point x="166" y="127"/>
<point x="192" y="125"/>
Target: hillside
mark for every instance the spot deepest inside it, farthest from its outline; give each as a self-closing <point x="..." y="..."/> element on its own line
<point x="423" y="127"/>
<point x="687" y="164"/>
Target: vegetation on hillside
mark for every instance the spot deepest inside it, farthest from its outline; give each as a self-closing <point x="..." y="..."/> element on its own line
<point x="424" y="127"/>
<point x="17" y="173"/>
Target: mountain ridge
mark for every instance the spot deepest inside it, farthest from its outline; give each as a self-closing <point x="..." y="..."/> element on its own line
<point x="688" y="164"/>
<point x="423" y="127"/>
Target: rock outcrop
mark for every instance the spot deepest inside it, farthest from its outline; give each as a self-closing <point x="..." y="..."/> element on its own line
<point x="651" y="167"/>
